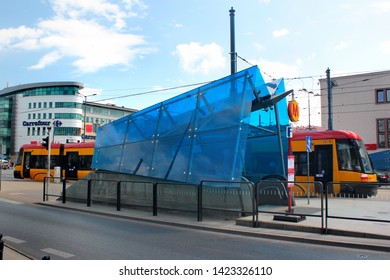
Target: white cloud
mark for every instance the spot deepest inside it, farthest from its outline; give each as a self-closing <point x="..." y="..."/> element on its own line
<point x="20" y="37"/>
<point x="46" y="60"/>
<point x="195" y="58"/>
<point x="76" y="9"/>
<point x="93" y="46"/>
<point x="89" y="32"/>
<point x="280" y="33"/>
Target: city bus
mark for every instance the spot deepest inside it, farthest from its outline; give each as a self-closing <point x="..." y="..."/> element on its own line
<point x="74" y="160"/>
<point x="337" y="156"/>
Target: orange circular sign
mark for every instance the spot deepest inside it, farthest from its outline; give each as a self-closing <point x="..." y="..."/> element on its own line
<point x="293" y="111"/>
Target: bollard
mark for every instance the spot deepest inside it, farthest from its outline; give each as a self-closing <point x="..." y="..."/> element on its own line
<point x="1" y="246"/>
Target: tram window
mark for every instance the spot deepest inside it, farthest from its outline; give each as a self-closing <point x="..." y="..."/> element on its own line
<point x="300" y="162"/>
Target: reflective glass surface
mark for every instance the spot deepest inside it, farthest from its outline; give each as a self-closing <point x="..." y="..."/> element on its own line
<point x="225" y="130"/>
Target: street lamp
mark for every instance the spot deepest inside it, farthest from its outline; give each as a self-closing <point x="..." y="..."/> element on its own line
<point x="308" y="102"/>
<point x="85" y="110"/>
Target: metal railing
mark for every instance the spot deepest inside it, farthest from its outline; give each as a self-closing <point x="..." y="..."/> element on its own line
<point x="243" y="198"/>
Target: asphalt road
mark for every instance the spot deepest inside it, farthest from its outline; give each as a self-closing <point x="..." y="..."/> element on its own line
<point x="39" y="230"/>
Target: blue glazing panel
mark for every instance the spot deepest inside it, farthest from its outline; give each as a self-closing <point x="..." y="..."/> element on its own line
<point x="143" y="124"/>
<point x="107" y="158"/>
<point x="216" y="155"/>
<point x="137" y="158"/>
<point x="224" y="106"/>
<point x="177" y="117"/>
<point x="171" y="156"/>
<point x="263" y="156"/>
<point x="112" y="134"/>
<point x="203" y="134"/>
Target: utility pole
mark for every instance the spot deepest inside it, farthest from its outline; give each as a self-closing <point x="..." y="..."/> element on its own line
<point x="48" y="154"/>
<point x="233" y="54"/>
<point x="330" y="117"/>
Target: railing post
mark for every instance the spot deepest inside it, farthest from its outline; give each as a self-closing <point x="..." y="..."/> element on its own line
<point x="44" y="189"/>
<point x="255" y="206"/>
<point x="1" y="246"/>
<point x="118" y="196"/>
<point x="63" y="190"/>
<point x="326" y="208"/>
<point x="154" y="199"/>
<point x="89" y="193"/>
<point x="200" y="201"/>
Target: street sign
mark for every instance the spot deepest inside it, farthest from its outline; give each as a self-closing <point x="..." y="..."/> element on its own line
<point x="289" y="131"/>
<point x="309" y="143"/>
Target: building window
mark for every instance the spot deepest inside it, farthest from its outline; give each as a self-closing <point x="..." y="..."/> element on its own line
<point x="383" y="133"/>
<point x="382" y="96"/>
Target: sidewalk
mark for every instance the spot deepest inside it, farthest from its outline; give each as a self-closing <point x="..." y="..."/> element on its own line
<point x="346" y="233"/>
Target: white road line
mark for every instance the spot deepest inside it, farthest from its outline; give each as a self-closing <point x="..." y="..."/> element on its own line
<point x="57" y="253"/>
<point x="13" y="239"/>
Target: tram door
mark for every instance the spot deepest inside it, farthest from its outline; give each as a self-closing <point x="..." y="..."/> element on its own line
<point x="72" y="164"/>
<point x="26" y="165"/>
<point x="323" y="165"/>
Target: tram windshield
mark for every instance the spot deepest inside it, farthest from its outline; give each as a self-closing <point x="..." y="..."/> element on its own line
<point x="352" y="156"/>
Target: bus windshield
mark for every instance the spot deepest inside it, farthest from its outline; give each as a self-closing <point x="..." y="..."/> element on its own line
<point x="352" y="156"/>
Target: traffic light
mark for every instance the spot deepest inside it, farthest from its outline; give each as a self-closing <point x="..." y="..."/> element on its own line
<point x="45" y="142"/>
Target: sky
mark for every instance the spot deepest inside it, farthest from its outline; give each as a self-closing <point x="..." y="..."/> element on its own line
<point x="136" y="53"/>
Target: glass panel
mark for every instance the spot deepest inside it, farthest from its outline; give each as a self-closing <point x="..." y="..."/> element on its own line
<point x="388" y="125"/>
<point x="380" y="98"/>
<point x="381" y="141"/>
<point x="387" y="95"/>
<point x="112" y="133"/>
<point x="200" y="135"/>
<point x="143" y="124"/>
<point x="137" y="158"/>
<point x="381" y="126"/>
<point x="171" y="157"/>
<point x="107" y="158"/>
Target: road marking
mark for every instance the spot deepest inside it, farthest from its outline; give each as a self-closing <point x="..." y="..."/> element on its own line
<point x="13" y="239"/>
<point x="10" y="201"/>
<point x="57" y="253"/>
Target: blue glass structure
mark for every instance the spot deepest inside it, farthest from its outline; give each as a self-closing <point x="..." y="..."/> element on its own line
<point x="228" y="129"/>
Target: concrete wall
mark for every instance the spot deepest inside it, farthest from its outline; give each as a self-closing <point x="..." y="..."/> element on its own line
<point x="138" y="191"/>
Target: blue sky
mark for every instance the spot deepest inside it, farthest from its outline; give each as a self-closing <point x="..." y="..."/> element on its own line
<point x="120" y="48"/>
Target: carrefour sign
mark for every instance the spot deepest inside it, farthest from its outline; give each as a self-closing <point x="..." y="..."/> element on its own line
<point x="36" y="123"/>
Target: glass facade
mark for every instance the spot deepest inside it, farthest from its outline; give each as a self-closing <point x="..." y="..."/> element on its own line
<point x="55" y="90"/>
<point x="225" y="130"/>
<point x="5" y="124"/>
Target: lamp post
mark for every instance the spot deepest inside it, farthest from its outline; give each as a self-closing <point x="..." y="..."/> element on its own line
<point x="308" y="103"/>
<point x="85" y="111"/>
